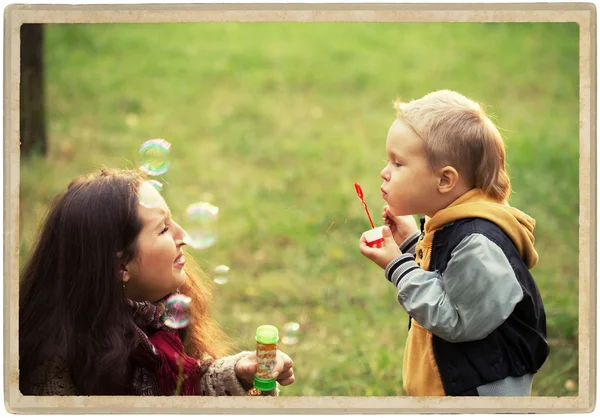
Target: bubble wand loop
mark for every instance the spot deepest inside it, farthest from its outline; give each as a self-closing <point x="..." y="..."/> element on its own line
<point x="359" y="192"/>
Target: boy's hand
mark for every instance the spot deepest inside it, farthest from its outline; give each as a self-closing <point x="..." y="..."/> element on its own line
<point x="402" y="227"/>
<point x="381" y="256"/>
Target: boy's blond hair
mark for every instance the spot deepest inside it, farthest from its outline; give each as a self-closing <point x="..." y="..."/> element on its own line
<point x="458" y="133"/>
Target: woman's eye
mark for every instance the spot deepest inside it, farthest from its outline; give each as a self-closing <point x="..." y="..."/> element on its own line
<point x="165" y="229"/>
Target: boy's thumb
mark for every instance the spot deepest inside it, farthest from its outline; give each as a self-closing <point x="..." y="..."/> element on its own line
<point x="386" y="232"/>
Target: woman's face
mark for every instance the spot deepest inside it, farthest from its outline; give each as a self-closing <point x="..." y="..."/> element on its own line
<point x="157" y="268"/>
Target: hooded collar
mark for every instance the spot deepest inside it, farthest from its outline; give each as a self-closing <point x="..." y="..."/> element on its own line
<point x="476" y="204"/>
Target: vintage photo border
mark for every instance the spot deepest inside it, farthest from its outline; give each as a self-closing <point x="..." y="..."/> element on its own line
<point x="584" y="14"/>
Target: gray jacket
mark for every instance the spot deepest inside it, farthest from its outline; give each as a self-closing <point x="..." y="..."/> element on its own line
<point x="476" y="293"/>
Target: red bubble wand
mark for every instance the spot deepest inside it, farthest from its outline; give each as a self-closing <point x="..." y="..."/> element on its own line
<point x="359" y="192"/>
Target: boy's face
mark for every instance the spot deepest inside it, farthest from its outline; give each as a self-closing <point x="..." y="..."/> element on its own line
<point x="409" y="184"/>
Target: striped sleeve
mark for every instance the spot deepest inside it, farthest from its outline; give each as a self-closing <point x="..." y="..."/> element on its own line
<point x="410" y="244"/>
<point x="472" y="297"/>
<point x="400" y="267"/>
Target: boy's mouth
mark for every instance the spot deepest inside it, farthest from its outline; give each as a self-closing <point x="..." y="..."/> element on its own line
<point x="383" y="193"/>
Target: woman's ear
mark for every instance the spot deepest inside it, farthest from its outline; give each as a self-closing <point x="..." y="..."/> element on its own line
<point x="123" y="272"/>
<point x="448" y="179"/>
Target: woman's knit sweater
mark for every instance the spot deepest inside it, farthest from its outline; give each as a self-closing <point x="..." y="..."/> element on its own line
<point x="219" y="380"/>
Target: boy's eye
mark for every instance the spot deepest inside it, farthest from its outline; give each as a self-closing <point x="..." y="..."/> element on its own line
<point x="394" y="163"/>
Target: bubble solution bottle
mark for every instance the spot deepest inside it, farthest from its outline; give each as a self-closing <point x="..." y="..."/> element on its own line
<point x="266" y="351"/>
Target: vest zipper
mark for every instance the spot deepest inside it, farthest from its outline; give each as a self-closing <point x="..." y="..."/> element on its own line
<point x="433" y="346"/>
<point x="422" y="221"/>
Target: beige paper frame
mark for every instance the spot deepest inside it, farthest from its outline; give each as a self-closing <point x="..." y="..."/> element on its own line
<point x="582" y="13"/>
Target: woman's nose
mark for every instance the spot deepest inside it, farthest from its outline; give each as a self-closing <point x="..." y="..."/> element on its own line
<point x="180" y="235"/>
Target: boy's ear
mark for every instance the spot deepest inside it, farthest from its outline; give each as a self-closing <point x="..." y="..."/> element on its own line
<point x="448" y="178"/>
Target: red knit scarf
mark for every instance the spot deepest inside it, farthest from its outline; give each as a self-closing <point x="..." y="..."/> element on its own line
<point x="159" y="362"/>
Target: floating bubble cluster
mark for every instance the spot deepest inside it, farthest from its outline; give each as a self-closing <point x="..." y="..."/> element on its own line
<point x="176" y="315"/>
<point x="290" y="333"/>
<point x="154" y="156"/>
<point x="200" y="222"/>
<point x="147" y="198"/>
<point x="156" y="184"/>
<point x="221" y="274"/>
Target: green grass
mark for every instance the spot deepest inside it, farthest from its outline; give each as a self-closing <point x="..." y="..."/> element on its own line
<point x="274" y="122"/>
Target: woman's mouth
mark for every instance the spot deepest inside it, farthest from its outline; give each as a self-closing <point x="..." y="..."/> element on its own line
<point x="179" y="261"/>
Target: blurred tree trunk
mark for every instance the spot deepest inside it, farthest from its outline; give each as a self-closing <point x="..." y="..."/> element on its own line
<point x="32" y="114"/>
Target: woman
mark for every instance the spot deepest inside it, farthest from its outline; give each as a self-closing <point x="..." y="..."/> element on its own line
<point x="92" y="302"/>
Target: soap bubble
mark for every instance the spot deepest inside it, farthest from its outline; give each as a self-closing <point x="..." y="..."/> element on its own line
<point x="147" y="199"/>
<point x="290" y="333"/>
<point x="156" y="184"/>
<point x="154" y="155"/>
<point x="200" y="221"/>
<point x="221" y="274"/>
<point x="176" y="315"/>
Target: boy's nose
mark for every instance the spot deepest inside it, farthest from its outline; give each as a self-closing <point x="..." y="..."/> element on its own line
<point x="383" y="173"/>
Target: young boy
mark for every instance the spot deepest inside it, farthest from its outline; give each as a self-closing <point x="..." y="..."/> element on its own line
<point x="477" y="323"/>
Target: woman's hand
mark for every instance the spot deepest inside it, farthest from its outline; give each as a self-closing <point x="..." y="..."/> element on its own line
<point x="402" y="227"/>
<point x="282" y="370"/>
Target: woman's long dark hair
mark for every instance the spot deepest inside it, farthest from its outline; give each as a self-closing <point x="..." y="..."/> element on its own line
<point x="71" y="303"/>
<point x="71" y="299"/>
